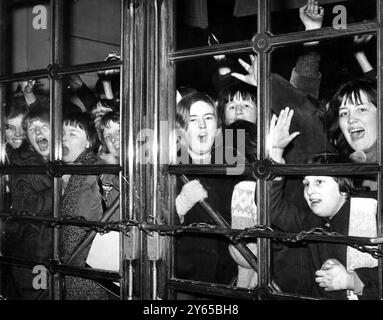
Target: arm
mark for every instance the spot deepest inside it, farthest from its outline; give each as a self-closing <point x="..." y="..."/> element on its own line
<point x="27" y="89"/>
<point x="306" y="76"/>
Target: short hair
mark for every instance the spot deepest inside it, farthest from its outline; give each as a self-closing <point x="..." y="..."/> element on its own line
<point x="250" y="138"/>
<point x="184" y="105"/>
<point x="346" y="184"/>
<point x="14" y="108"/>
<point x="246" y="91"/>
<point x="107" y="117"/>
<point x="351" y="91"/>
<point x="38" y="111"/>
<point x="84" y="121"/>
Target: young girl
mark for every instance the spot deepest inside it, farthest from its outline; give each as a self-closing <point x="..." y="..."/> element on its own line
<point x="201" y="257"/>
<point x="355" y="129"/>
<point x="81" y="198"/>
<point x="332" y="268"/>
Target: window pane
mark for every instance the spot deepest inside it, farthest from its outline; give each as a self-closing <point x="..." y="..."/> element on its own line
<point x="316" y="73"/>
<point x="26" y="135"/>
<point x="222" y="21"/>
<point x="26" y="35"/>
<point x="92" y="30"/>
<point x="346" y="207"/>
<point x="285" y="15"/>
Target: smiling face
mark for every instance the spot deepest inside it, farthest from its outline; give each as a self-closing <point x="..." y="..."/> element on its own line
<point x="201" y="130"/>
<point x="112" y="138"/>
<point x="75" y="142"/>
<point x="14" y="131"/>
<point x="358" y="121"/>
<point x="323" y="196"/>
<point x="240" y="109"/>
<point x="38" y="135"/>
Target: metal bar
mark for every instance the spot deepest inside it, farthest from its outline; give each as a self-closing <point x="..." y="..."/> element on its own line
<point x="59" y="169"/>
<point x="13" y="77"/>
<point x="324" y="33"/>
<point x="250" y="170"/>
<point x="91" y="234"/>
<point x="220" y="221"/>
<point x="89" y="67"/>
<point x="56" y="99"/>
<point x="87" y="273"/>
<point x="380" y="137"/>
<point x="233" y="292"/>
<point x="200" y="52"/>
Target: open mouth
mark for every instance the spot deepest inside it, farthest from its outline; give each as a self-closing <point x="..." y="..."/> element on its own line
<point x="202" y="138"/>
<point x="314" y="201"/>
<point x="65" y="151"/>
<point x="42" y="144"/>
<point x="356" y="133"/>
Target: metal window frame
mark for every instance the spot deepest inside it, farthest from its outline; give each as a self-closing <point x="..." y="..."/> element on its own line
<point x="263" y="43"/>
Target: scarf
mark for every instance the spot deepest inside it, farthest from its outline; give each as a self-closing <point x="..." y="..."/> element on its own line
<point x="72" y="190"/>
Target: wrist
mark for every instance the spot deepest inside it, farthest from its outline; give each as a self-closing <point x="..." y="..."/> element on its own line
<point x="350" y="280"/>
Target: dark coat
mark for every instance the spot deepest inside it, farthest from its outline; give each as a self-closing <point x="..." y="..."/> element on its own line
<point x="204" y="257"/>
<point x="33" y="195"/>
<point x="290" y="218"/>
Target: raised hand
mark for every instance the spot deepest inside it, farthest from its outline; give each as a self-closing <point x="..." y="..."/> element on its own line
<point x="279" y="134"/>
<point x="27" y="86"/>
<point x="252" y="71"/>
<point x="311" y="15"/>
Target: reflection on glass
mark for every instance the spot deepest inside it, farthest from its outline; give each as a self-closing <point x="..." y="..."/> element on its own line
<point x="229" y="20"/>
<point x="92" y="30"/>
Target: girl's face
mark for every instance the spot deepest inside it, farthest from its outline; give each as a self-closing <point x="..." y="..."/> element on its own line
<point x="359" y="122"/>
<point x="323" y="196"/>
<point x="38" y="135"/>
<point x="240" y="109"/>
<point x="112" y="138"/>
<point x="14" y="132"/>
<point x="201" y="130"/>
<point x="75" y="142"/>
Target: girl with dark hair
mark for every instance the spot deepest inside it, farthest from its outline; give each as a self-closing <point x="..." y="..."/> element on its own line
<point x="355" y="130"/>
<point x="81" y="198"/>
<point x="201" y="257"/>
<point x="333" y="270"/>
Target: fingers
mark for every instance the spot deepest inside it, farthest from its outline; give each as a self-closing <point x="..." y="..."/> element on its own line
<point x="293" y="136"/>
<point x="310" y="5"/>
<point x="315" y="7"/>
<point x="239" y="76"/>
<point x="244" y="64"/>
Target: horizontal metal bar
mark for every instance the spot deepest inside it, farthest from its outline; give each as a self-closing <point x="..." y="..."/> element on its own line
<point x="325" y="169"/>
<point x="57" y="169"/>
<point x="60" y="222"/>
<point x="323" y="34"/>
<point x="214" y="289"/>
<point x="87" y="273"/>
<point x="200" y="52"/>
<point x="89" y="67"/>
<point x="257" y="233"/>
<point x="251" y="171"/>
<point x="36" y="74"/>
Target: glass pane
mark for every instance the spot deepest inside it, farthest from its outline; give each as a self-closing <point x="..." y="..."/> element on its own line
<point x="316" y="74"/>
<point x="91" y="136"/>
<point x="207" y="257"/>
<point x="346" y="207"/>
<point x="201" y="22"/>
<point x="26" y="35"/>
<point x="92" y="30"/>
<point x="26" y="134"/>
<point x="285" y="16"/>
